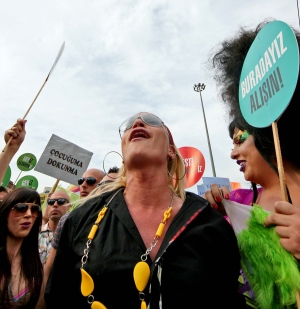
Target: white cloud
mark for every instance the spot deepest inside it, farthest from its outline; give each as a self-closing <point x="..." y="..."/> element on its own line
<point x="121" y="57"/>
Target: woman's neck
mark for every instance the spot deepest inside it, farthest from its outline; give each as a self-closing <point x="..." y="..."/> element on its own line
<point x="142" y="181"/>
<point x="146" y="196"/>
<point x="272" y="189"/>
<point x="13" y="247"/>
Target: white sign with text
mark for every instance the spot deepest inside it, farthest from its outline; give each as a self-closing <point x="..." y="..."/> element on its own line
<point x="63" y="160"/>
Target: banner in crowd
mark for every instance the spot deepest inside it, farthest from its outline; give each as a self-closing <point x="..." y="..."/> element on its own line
<point x="74" y="189"/>
<point x="194" y="164"/>
<point x="235" y="185"/>
<point x="27" y="181"/>
<point x="26" y="162"/>
<point x="43" y="197"/>
<point x="268" y="80"/>
<point x="220" y="181"/>
<point x="63" y="160"/>
<point x="6" y="177"/>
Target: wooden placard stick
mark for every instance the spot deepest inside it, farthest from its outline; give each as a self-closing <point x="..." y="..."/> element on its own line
<point x="54" y="187"/>
<point x="281" y="178"/>
<point x="52" y="68"/>
<point x="17" y="178"/>
<point x="279" y="161"/>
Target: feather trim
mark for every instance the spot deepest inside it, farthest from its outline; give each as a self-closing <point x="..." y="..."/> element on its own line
<point x="272" y="271"/>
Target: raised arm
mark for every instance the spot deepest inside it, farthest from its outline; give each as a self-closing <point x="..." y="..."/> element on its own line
<point x="17" y="132"/>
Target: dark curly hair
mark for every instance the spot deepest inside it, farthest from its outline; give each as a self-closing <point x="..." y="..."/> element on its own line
<point x="227" y="63"/>
<point x="31" y="265"/>
<point x="113" y="169"/>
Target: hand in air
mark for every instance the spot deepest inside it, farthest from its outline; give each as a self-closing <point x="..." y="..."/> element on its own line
<point x="17" y="132"/>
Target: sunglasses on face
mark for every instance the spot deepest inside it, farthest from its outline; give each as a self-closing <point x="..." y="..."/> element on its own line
<point x="60" y="201"/>
<point x="21" y="208"/>
<point x="148" y="119"/>
<point x="89" y="180"/>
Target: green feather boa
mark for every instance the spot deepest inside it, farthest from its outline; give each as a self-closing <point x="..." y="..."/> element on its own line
<point x="272" y="271"/>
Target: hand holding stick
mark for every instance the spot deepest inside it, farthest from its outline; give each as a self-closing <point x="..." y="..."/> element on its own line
<point x="54" y="64"/>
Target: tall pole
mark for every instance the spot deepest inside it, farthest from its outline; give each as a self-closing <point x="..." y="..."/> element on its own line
<point x="199" y="88"/>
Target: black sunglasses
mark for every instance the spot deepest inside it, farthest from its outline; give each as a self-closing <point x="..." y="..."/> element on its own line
<point x="89" y="180"/>
<point x="60" y="201"/>
<point x="21" y="208"/>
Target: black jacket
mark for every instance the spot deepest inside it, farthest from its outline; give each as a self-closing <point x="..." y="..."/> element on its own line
<point x="197" y="265"/>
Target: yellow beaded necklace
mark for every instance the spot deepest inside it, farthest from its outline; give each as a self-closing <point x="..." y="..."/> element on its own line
<point x="141" y="271"/>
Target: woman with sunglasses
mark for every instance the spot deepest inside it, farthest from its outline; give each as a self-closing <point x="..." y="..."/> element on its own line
<point x="143" y="241"/>
<point x="21" y="272"/>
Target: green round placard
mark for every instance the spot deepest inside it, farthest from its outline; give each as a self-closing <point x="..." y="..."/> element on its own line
<point x="27" y="182"/>
<point x="7" y="177"/>
<point x="26" y="162"/>
<point x="269" y="74"/>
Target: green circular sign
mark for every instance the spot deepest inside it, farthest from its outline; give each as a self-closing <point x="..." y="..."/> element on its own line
<point x="26" y="162"/>
<point x="7" y="177"/>
<point x="28" y="182"/>
<point x="269" y="75"/>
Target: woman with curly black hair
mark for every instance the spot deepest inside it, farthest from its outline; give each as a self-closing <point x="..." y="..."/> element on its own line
<point x="254" y="150"/>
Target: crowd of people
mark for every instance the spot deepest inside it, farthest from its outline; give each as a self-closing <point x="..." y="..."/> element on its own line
<point x="137" y="238"/>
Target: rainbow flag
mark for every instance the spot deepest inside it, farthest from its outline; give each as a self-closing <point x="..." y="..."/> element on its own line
<point x="74" y="189"/>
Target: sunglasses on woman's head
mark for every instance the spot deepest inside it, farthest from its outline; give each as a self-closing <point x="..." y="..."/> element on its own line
<point x="21" y="208"/>
<point x="148" y="119"/>
<point x="89" y="180"/>
<point x="60" y="201"/>
<point x="104" y="183"/>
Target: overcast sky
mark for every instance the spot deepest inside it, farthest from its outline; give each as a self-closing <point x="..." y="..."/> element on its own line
<point x="120" y="58"/>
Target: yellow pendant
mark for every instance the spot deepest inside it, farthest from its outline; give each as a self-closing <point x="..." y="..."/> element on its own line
<point x="98" y="305"/>
<point x="143" y="305"/>
<point x="141" y="275"/>
<point x="87" y="283"/>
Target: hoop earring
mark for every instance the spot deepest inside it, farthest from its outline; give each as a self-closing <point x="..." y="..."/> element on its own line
<point x="104" y="167"/>
<point x="172" y="176"/>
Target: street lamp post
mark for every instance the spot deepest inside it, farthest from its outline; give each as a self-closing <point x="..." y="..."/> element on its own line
<point x="199" y="88"/>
